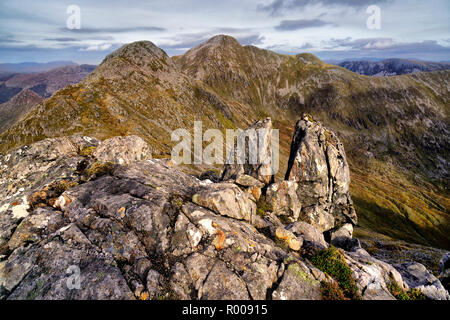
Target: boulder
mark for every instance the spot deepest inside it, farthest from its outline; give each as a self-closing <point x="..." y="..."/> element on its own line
<point x="373" y="276"/>
<point x="298" y="283"/>
<point x="318" y="164"/>
<point x="283" y="199"/>
<point x="318" y="216"/>
<point x="444" y="271"/>
<point x="251" y="185"/>
<point x="123" y="150"/>
<point x="343" y="238"/>
<point x="308" y="233"/>
<point x="245" y="180"/>
<point x="418" y="277"/>
<point x="222" y="284"/>
<point x="226" y="199"/>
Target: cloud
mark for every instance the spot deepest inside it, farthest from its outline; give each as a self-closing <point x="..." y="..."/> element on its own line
<point x="8" y="39"/>
<point x="381" y="44"/>
<point x="98" y="47"/>
<point x="290" y="25"/>
<point x="186" y="41"/>
<point x="62" y="39"/>
<point x="383" y="48"/>
<point x="253" y="39"/>
<point x="306" y="46"/>
<point x="277" y="6"/>
<point x="115" y="30"/>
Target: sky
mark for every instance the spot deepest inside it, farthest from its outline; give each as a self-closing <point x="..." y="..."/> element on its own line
<point x="43" y="31"/>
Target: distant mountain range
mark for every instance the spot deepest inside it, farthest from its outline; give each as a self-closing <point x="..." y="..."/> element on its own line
<point x="391" y="67"/>
<point x="395" y="129"/>
<point x="19" y="92"/>
<point x="27" y="67"/>
<point x="43" y="83"/>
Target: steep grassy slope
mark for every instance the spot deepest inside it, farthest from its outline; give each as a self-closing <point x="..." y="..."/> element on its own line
<point x="395" y="130"/>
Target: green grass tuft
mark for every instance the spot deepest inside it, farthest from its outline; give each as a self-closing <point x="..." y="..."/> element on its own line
<point x="263" y="206"/>
<point x="400" y="294"/>
<point x="331" y="261"/>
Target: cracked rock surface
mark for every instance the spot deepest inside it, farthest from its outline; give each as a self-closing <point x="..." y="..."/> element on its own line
<point x="76" y="222"/>
<point x="318" y="164"/>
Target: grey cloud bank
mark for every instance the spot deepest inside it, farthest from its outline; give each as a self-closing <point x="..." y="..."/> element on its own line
<point x="279" y="5"/>
<point x="31" y="31"/>
<point x="289" y="25"/>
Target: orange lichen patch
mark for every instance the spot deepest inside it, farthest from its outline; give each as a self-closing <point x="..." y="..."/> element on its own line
<point x="67" y="199"/>
<point x="282" y="234"/>
<point x="250" y="243"/>
<point x="289" y="238"/>
<point x="15" y="203"/>
<point x="144" y="296"/>
<point x="256" y="192"/>
<point x="169" y="163"/>
<point x="219" y="240"/>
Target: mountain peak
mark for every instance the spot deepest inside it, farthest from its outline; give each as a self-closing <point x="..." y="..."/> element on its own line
<point x="138" y="49"/>
<point x="223" y="39"/>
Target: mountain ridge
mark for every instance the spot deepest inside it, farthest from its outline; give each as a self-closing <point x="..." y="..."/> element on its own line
<point x="392" y="128"/>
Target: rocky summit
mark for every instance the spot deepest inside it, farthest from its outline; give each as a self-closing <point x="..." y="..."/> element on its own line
<point x="82" y="218"/>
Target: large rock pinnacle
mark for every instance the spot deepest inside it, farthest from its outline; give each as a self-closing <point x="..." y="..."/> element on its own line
<point x="259" y="146"/>
<point x="318" y="164"/>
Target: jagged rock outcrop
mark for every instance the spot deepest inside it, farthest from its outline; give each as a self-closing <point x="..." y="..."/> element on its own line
<point x="89" y="226"/>
<point x="123" y="150"/>
<point x="319" y="166"/>
<point x="136" y="232"/>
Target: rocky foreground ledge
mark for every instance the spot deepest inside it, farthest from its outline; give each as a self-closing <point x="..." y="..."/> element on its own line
<point x="139" y="228"/>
